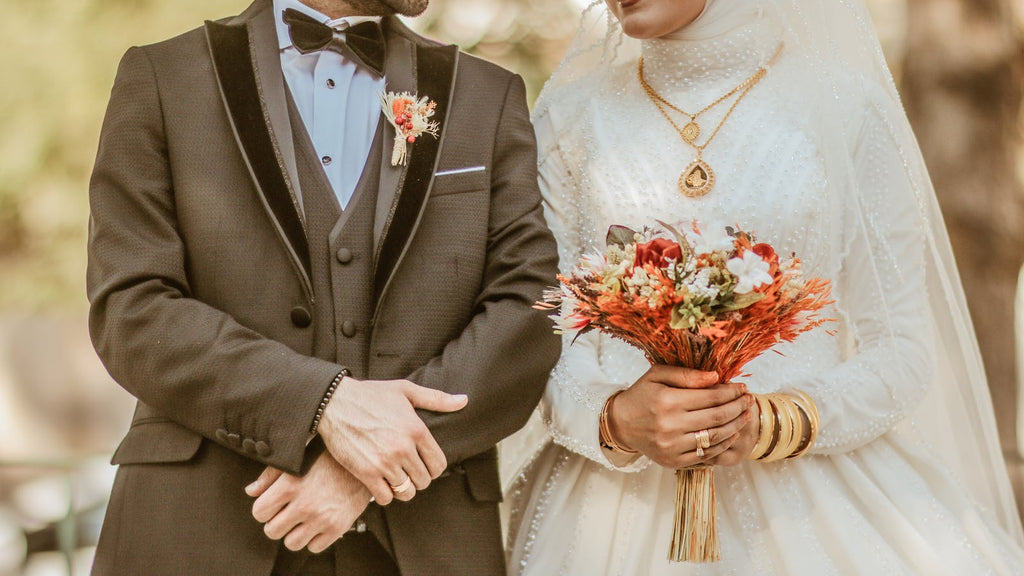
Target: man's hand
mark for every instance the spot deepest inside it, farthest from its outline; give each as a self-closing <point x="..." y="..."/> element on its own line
<point x="372" y="429"/>
<point x="310" y="511"/>
<point x="659" y="414"/>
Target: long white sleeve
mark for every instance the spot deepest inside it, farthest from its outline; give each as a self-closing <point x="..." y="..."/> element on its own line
<point x="882" y="298"/>
<point x="578" y="387"/>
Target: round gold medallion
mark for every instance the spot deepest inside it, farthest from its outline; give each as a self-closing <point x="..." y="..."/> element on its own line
<point x="697" y="180"/>
<point x="691" y="132"/>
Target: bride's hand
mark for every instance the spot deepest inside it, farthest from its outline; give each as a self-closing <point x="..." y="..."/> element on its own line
<point x="741" y="448"/>
<point x="661" y="412"/>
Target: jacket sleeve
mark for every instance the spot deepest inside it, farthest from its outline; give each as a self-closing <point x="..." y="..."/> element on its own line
<point x="191" y="362"/>
<point x="503" y="357"/>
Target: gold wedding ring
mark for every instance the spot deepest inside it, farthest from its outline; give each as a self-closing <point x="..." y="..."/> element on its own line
<point x="700" y="452"/>
<point x="403" y="487"/>
<point x="703" y="438"/>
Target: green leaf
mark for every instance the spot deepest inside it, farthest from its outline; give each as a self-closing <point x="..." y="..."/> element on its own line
<point x="743" y="300"/>
<point x="680" y="319"/>
<point x="619" y="236"/>
<point x="684" y="245"/>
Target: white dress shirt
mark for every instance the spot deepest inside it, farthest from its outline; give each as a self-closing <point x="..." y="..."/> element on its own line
<point x="337" y="100"/>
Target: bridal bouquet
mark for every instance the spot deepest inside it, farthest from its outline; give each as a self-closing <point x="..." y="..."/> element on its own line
<point x="710" y="300"/>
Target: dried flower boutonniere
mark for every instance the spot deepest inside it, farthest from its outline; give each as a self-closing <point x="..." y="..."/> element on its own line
<point x="411" y="118"/>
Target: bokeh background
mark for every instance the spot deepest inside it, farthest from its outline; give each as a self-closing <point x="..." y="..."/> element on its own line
<point x="959" y="65"/>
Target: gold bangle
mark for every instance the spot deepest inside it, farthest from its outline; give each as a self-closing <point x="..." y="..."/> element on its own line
<point x="605" y="437"/>
<point x="786" y="432"/>
<point x="810" y="411"/>
<point x="766" y="428"/>
<point x="799" y="428"/>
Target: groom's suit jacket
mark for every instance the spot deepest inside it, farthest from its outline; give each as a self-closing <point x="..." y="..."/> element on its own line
<point x="227" y="290"/>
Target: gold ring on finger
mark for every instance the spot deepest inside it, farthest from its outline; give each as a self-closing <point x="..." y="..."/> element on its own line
<point x="703" y="438"/>
<point x="700" y="452"/>
<point x="403" y="487"/>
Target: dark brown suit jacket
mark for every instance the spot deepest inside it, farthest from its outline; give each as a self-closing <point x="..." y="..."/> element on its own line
<point x="202" y="304"/>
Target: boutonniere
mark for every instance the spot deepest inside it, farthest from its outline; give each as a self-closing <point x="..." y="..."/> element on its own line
<point x="410" y="116"/>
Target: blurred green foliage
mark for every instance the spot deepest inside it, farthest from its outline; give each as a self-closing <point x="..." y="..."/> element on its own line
<point x="58" y="61"/>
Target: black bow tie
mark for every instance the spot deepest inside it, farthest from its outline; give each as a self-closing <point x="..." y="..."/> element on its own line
<point x="363" y="42"/>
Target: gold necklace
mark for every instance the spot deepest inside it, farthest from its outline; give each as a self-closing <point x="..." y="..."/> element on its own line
<point x="698" y="178"/>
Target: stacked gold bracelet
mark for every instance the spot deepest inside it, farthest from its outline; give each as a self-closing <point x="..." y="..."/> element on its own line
<point x="789" y="426"/>
<point x="606" y="439"/>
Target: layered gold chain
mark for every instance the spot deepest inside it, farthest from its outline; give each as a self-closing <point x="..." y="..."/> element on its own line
<point x="698" y="178"/>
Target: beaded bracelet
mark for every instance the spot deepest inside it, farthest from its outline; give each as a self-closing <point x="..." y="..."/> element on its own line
<point x="327" y="398"/>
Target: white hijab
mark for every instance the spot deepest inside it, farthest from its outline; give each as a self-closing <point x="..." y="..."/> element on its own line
<point x="833" y="39"/>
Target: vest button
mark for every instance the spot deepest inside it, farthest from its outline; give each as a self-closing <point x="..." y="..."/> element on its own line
<point x="344" y="255"/>
<point x="348" y="328"/>
<point x="301" y="317"/>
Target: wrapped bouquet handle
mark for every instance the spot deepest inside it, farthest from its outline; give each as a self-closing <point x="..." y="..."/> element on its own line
<point x="708" y="300"/>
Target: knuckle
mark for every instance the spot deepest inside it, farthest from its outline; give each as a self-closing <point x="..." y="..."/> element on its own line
<point x="662" y="443"/>
<point x="723" y="395"/>
<point x="373" y="464"/>
<point x="662" y="402"/>
<point x="714" y="435"/>
<point x="719" y="418"/>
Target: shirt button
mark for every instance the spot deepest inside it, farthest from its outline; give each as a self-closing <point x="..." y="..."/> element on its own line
<point x="326" y="160"/>
<point x="330" y="83"/>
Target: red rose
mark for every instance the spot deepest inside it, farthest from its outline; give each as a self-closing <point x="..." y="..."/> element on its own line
<point x="657" y="252"/>
<point x="767" y="253"/>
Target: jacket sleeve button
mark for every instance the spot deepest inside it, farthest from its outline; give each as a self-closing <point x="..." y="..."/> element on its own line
<point x="348" y="328"/>
<point x="249" y="445"/>
<point x="263" y="449"/>
<point x="301" y="317"/>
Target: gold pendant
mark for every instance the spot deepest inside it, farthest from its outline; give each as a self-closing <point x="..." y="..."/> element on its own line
<point x="691" y="132"/>
<point x="697" y="180"/>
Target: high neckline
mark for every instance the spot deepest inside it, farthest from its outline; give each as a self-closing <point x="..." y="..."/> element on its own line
<point x="724" y="45"/>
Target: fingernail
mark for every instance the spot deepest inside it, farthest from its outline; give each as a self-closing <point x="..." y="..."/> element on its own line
<point x="250" y="488"/>
<point x="460" y="397"/>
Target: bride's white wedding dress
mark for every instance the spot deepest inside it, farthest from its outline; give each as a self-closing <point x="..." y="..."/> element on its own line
<point x="894" y="485"/>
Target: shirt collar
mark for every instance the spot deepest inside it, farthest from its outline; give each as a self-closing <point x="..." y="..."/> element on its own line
<point x="284" y="40"/>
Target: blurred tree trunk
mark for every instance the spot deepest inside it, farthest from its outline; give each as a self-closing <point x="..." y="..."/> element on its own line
<point x="962" y="86"/>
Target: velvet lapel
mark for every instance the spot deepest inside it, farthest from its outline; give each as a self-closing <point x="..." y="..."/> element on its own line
<point x="248" y="69"/>
<point x="434" y="69"/>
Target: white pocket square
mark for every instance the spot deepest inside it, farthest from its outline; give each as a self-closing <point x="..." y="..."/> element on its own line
<point x="460" y="171"/>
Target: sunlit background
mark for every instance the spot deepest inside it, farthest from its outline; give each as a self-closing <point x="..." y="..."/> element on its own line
<point x="958" y="62"/>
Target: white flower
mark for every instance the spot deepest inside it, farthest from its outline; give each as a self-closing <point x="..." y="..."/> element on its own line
<point x="700" y="284"/>
<point x="712" y="240"/>
<point x="751" y="271"/>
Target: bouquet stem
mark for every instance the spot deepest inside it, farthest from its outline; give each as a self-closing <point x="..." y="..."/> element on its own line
<point x="695" y="531"/>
